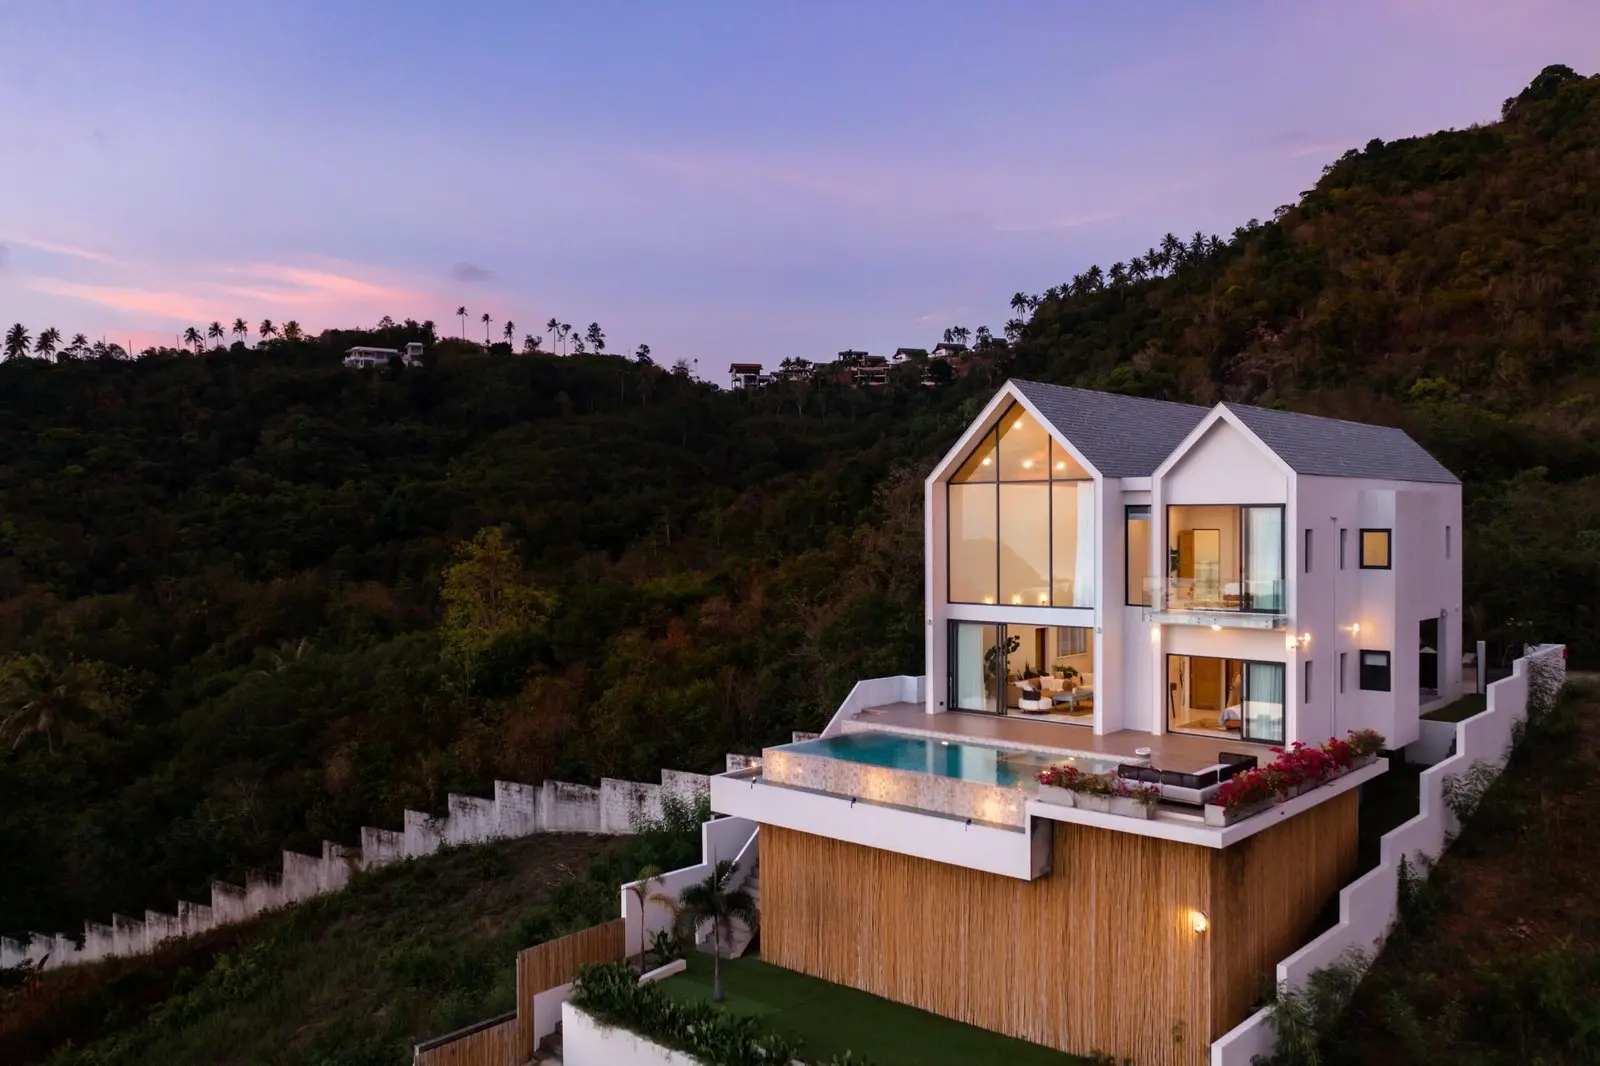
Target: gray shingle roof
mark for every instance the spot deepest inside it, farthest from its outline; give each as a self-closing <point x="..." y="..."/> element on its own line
<point x="1129" y="436"/>
<point x="1121" y="436"/>
<point x="1331" y="447"/>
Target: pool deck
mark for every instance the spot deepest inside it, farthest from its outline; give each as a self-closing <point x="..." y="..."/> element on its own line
<point x="1168" y="751"/>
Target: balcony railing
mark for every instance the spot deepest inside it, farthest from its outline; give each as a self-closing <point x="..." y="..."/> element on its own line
<point x="1242" y="603"/>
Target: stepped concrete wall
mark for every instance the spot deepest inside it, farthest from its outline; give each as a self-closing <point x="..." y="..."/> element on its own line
<point x="516" y="810"/>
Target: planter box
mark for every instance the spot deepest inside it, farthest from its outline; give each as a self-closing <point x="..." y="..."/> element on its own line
<point x="1061" y="797"/>
<point x="1086" y="802"/>
<point x="1364" y="760"/>
<point x="1218" y="816"/>
<point x="1129" y="807"/>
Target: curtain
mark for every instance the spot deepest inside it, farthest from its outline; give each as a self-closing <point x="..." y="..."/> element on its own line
<point x="966" y="662"/>
<point x="1263" y="702"/>
<point x="1083" y="571"/>
<point x="1263" y="576"/>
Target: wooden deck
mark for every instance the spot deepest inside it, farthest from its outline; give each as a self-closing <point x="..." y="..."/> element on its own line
<point x="1168" y="751"/>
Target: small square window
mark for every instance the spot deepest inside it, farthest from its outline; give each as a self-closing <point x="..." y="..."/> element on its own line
<point x="1375" y="671"/>
<point x="1375" y="553"/>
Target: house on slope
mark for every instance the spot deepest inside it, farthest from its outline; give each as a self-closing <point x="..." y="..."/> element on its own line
<point x="1156" y="592"/>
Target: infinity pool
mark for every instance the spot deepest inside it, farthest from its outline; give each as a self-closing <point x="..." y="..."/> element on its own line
<point x="967" y="762"/>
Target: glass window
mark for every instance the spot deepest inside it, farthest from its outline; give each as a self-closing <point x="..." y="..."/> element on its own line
<point x="1263" y="558"/>
<point x="1375" y="671"/>
<point x="1024" y="447"/>
<point x="1305" y="694"/>
<point x="1375" y="545"/>
<point x="1072" y="543"/>
<point x="1343" y="662"/>
<point x="1344" y="535"/>
<point x="1063" y="467"/>
<point x="1263" y="702"/>
<point x="973" y="549"/>
<point x="1024" y="544"/>
<point x="1307" y="552"/>
<point x="1447" y="542"/>
<point x="1140" y="590"/>
<point x="974" y="682"/>
<point x="979" y="466"/>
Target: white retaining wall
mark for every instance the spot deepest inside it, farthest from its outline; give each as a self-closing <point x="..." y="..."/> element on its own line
<point x="874" y="692"/>
<point x="517" y="810"/>
<point x="720" y="838"/>
<point x="585" y="1042"/>
<point x="1368" y="905"/>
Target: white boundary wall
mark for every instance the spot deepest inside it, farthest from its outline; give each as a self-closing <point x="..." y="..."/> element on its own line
<point x="873" y="692"/>
<point x="585" y="1042"/>
<point x="517" y="810"/>
<point x="1368" y="905"/>
<point x="720" y="838"/>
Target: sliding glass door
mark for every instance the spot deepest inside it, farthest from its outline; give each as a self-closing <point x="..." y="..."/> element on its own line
<point x="1226" y="697"/>
<point x="977" y="667"/>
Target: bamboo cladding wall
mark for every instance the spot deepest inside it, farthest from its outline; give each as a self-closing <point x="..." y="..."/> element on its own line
<point x="495" y="1044"/>
<point x="555" y="963"/>
<point x="1266" y="891"/>
<point x="1100" y="956"/>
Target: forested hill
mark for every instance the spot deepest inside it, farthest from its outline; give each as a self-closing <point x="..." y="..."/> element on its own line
<point x="243" y="593"/>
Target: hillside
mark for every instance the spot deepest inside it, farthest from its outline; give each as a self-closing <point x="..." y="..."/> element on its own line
<point x="229" y="572"/>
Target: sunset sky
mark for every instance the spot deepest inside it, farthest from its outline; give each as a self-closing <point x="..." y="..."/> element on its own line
<point x="720" y="180"/>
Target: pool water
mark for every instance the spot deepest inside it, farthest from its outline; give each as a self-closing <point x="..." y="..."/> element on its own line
<point x="968" y="762"/>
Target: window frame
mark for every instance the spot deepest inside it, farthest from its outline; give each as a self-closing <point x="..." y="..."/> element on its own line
<point x="1388" y="670"/>
<point x="1344" y="540"/>
<point x="1128" y="511"/>
<point x="1361" y="548"/>
<point x="1305" y="695"/>
<point x="1306" y="551"/>
<point x="993" y="434"/>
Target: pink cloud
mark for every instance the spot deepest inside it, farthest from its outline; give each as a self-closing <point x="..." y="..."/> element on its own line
<point x="143" y="301"/>
<point x="58" y="248"/>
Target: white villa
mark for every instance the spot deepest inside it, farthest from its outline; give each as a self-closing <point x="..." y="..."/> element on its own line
<point x="361" y="357"/>
<point x="1150" y="591"/>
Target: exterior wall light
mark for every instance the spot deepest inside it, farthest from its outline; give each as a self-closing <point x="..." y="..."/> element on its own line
<point x="1291" y="642"/>
<point x="1215" y="628"/>
<point x="1305" y="640"/>
<point x="1155" y="633"/>
<point x="1355" y="629"/>
<point x="1199" y="923"/>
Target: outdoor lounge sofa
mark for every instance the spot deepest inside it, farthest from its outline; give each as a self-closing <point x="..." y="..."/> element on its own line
<point x="1194" y="789"/>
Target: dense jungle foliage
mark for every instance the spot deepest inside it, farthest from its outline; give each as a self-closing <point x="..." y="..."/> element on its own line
<point x="250" y="599"/>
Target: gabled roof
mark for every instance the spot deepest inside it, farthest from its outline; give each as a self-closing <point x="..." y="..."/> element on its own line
<point x="1332" y="447"/>
<point x="1121" y="436"/>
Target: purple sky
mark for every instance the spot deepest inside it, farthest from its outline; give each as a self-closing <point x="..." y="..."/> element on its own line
<point x="720" y="180"/>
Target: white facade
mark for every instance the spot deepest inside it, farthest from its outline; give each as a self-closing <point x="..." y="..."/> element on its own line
<point x="1267" y="609"/>
<point x="362" y="357"/>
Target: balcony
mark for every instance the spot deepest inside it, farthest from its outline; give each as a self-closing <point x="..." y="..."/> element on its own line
<point x="1239" y="604"/>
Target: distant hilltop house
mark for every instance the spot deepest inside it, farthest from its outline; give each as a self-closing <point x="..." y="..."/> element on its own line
<point x="855" y="367"/>
<point x="361" y="357"/>
<point x="748" y="376"/>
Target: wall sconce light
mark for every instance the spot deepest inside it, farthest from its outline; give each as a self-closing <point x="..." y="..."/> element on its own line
<point x="1355" y="629"/>
<point x="1198" y="922"/>
<point x="1155" y="634"/>
<point x="1290" y="642"/>
<point x="1215" y="628"/>
<point x="1305" y="640"/>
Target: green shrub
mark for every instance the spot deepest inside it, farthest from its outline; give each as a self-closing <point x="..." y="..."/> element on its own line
<point x="613" y="995"/>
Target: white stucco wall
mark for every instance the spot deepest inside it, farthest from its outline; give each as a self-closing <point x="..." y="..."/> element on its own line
<point x="585" y="1042"/>
<point x="1368" y="905"/>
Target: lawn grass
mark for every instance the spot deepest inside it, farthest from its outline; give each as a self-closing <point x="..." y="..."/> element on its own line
<point x="831" y="1019"/>
<point x="1460" y="710"/>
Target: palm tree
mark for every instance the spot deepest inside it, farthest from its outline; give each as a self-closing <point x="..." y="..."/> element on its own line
<point x="79" y="343"/>
<point x="566" y="331"/>
<point x="215" y="332"/>
<point x="1019" y="302"/>
<point x="710" y="901"/>
<point x="486" y="321"/>
<point x="962" y="334"/>
<point x="509" y="330"/>
<point x="45" y="346"/>
<point x="267" y="329"/>
<point x="241" y="329"/>
<point x="461" y="313"/>
<point x="577" y="346"/>
<point x="1118" y="275"/>
<point x="17" y="341"/>
<point x="553" y="328"/>
<point x="39" y="698"/>
<point x="192" y="336"/>
<point x="1137" y="268"/>
<point x="292" y="331"/>
<point x="597" y="339"/>
<point x="640" y="891"/>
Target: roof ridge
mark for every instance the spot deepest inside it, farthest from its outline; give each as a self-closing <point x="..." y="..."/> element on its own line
<point x="1233" y="405"/>
<point x="1116" y="395"/>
